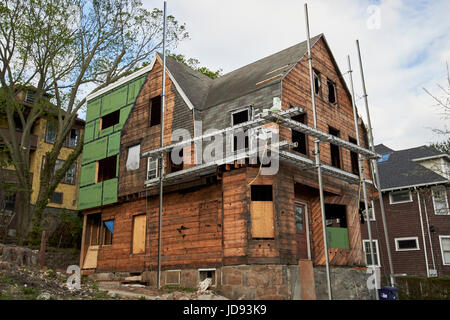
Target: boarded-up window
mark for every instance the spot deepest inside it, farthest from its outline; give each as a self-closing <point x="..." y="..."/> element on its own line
<point x="261" y="212"/>
<point x="139" y="223"/>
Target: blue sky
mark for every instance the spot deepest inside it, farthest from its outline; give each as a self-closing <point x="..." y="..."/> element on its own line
<point x="404" y="48"/>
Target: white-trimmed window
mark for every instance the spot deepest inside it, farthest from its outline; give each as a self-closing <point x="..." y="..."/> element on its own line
<point x="376" y="252"/>
<point x="407" y="244"/>
<point x="371" y="214"/>
<point x="152" y="168"/>
<point x="445" y="249"/>
<point x="401" y="196"/>
<point x="440" y="201"/>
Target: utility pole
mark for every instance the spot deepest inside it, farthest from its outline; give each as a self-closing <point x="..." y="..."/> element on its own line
<point x="161" y="162"/>
<point x="375" y="168"/>
<point x="317" y="157"/>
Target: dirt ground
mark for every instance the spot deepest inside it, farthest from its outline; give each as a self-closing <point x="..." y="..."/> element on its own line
<point x="24" y="283"/>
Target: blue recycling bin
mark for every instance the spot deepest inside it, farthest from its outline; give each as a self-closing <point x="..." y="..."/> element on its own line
<point x="388" y="293"/>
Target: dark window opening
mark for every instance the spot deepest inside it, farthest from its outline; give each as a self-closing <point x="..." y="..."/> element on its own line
<point x="72" y="138"/>
<point x="336" y="215"/>
<point x="9" y="202"/>
<point x="317" y="83"/>
<point x="203" y="274"/>
<point x="354" y="158"/>
<point x="299" y="137"/>
<point x="155" y="111"/>
<point x="240" y="117"/>
<point x="240" y="141"/>
<point x="331" y="91"/>
<point x="261" y="193"/>
<point x="110" y="119"/>
<point x="334" y="149"/>
<point x="18" y="123"/>
<point x="107" y="168"/>
<point x="57" y="197"/>
<point x="407" y="244"/>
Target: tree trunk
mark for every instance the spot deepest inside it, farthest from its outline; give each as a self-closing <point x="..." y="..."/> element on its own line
<point x="23" y="216"/>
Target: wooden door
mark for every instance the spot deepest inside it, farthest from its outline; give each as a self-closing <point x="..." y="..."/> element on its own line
<point x="139" y="227"/>
<point x="93" y="229"/>
<point x="300" y="211"/>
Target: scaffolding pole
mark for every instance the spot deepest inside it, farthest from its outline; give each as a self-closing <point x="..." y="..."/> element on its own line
<point x="161" y="162"/>
<point x="375" y="168"/>
<point x="361" y="167"/>
<point x="317" y="157"/>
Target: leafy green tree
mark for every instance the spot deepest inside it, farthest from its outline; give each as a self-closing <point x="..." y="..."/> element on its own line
<point x="67" y="49"/>
<point x="194" y="64"/>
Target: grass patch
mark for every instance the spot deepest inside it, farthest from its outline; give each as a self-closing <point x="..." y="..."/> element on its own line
<point x="177" y="288"/>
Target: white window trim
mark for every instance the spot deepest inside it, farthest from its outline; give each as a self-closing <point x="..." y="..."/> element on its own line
<point x="149" y="159"/>
<point x="446" y="201"/>
<point x="407" y="238"/>
<point x="442" y="251"/>
<point x="377" y="251"/>
<point x="398" y="202"/>
<point x="370" y="216"/>
<point x="209" y="269"/>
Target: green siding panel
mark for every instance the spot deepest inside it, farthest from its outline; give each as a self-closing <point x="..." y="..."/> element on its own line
<point x="110" y="191"/>
<point x="89" y="131"/>
<point x="114" y="144"/>
<point x="114" y="100"/>
<point x="134" y="89"/>
<point x="106" y="132"/>
<point x="95" y="150"/>
<point x="88" y="174"/>
<point x="90" y="196"/>
<point x="337" y="238"/>
<point x="124" y="113"/>
<point x="93" y="110"/>
<point x="96" y="129"/>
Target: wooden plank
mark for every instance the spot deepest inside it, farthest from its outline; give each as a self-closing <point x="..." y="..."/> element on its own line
<point x="90" y="262"/>
<point x="139" y="223"/>
<point x="261" y="213"/>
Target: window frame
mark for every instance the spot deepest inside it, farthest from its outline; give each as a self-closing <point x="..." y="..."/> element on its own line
<point x="442" y="250"/>
<point x="104" y="233"/>
<point x="377" y="251"/>
<point x="407" y="238"/>
<point x="47" y="130"/>
<point x="335" y="92"/>
<point x="249" y="118"/>
<point x="317" y="74"/>
<point x="156" y="169"/>
<point x="152" y="123"/>
<point x="398" y="202"/>
<point x="446" y="201"/>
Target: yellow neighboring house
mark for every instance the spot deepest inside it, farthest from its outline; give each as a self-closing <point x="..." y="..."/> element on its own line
<point x="42" y="139"/>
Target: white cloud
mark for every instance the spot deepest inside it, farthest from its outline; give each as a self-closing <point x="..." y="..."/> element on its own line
<point x="407" y="53"/>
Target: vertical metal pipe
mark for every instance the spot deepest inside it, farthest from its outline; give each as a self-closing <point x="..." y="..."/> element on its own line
<point x="375" y="169"/>
<point x="423" y="233"/>
<point x="161" y="162"/>
<point x="361" y="166"/>
<point x="429" y="234"/>
<point x="317" y="156"/>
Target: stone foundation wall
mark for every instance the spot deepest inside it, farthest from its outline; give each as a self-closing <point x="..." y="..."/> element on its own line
<point x="346" y="283"/>
<point x="14" y="255"/>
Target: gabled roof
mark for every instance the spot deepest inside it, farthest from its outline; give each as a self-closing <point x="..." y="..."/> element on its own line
<point x="205" y="93"/>
<point x="400" y="170"/>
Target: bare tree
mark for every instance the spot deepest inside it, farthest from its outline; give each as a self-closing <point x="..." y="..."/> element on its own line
<point x="66" y="48"/>
<point x="442" y="100"/>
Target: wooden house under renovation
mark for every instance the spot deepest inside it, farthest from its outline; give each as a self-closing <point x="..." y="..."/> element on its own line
<point x="255" y="235"/>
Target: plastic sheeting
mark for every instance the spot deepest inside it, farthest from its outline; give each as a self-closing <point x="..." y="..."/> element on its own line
<point x="133" y="159"/>
<point x="110" y="225"/>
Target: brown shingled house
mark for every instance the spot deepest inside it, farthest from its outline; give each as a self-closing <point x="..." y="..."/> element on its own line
<point x="246" y="231"/>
